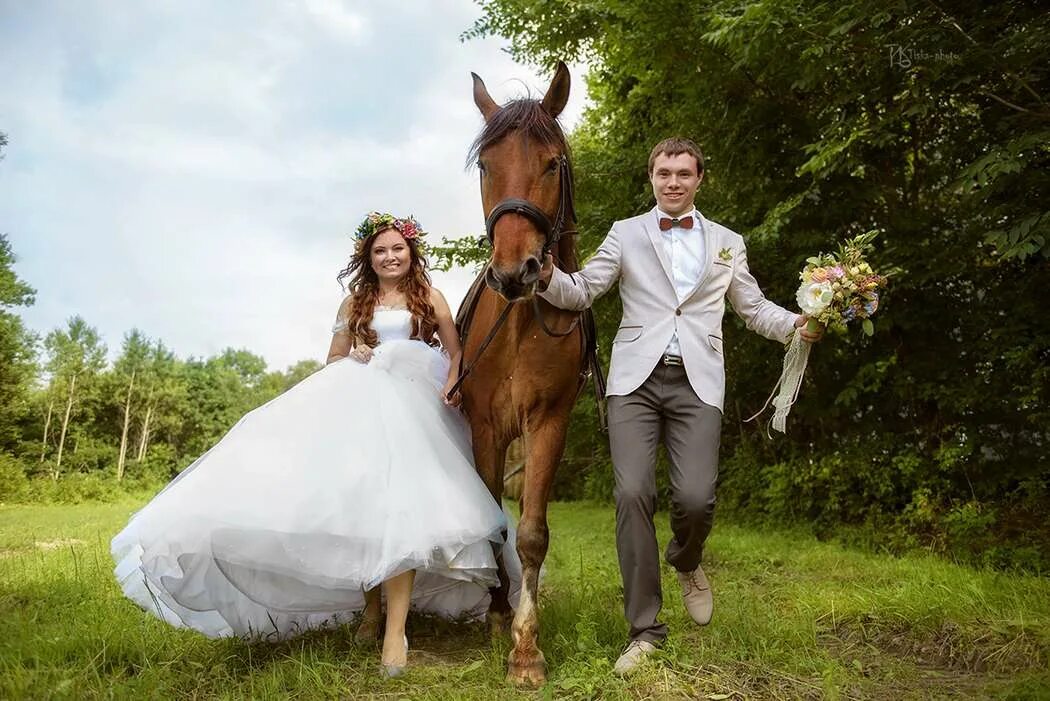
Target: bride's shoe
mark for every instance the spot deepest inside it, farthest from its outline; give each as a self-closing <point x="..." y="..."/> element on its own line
<point x="393" y="670"/>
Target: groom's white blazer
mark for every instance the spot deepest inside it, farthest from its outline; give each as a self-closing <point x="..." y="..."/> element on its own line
<point x="634" y="254"/>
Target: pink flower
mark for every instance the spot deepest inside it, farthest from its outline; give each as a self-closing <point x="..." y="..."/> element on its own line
<point x="408" y="230"/>
<point x="836" y="272"/>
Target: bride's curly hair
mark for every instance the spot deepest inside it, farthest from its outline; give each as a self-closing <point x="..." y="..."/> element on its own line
<point x="364" y="292"/>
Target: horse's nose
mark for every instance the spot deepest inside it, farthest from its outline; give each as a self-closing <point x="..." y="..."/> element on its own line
<point x="530" y="270"/>
<point x="513" y="283"/>
<point x="522" y="275"/>
<point x="493" y="280"/>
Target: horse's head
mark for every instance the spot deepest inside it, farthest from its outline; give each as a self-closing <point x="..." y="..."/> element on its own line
<point x="526" y="183"/>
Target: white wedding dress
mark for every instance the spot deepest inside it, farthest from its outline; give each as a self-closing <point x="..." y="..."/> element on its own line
<point x="356" y="474"/>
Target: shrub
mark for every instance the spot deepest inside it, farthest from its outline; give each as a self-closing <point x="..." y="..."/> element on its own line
<point x="14" y="486"/>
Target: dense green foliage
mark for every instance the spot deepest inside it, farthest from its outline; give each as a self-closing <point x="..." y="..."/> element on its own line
<point x="926" y="121"/>
<point x="794" y="619"/>
<point x="17" y="350"/>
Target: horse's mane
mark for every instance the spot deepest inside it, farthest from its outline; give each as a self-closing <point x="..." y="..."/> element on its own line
<point x="525" y="115"/>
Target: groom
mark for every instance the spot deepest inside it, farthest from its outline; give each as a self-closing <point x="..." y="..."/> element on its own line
<point x="667" y="377"/>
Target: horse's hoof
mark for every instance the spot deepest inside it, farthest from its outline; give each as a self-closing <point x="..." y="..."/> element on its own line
<point x="531" y="677"/>
<point x="527" y="672"/>
<point x="367" y="633"/>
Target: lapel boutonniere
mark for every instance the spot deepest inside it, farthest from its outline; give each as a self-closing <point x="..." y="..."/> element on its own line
<point x="725" y="254"/>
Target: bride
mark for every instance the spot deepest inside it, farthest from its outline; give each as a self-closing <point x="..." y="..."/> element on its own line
<point x="356" y="484"/>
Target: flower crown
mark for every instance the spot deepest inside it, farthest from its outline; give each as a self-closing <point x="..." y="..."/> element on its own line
<point x="408" y="227"/>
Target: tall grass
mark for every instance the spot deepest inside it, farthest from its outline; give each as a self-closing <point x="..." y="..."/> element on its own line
<point x="794" y="618"/>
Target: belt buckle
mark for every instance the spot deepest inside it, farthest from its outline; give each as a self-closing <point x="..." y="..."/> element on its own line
<point x="672" y="360"/>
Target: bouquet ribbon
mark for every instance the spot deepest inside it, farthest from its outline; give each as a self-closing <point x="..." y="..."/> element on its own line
<point x="785" y="393"/>
<point x="838" y="288"/>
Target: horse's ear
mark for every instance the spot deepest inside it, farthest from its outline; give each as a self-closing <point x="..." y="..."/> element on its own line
<point x="482" y="98"/>
<point x="558" y="92"/>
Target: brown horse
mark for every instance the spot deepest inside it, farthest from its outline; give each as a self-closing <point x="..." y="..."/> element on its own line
<point x="526" y="380"/>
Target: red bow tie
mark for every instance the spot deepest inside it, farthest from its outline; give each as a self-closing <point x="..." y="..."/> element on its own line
<point x="666" y="223"/>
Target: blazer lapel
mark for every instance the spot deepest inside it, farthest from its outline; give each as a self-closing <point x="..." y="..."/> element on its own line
<point x="707" y="231"/>
<point x="652" y="229"/>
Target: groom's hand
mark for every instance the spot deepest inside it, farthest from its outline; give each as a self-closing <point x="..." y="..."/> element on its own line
<point x="809" y="336"/>
<point x="546" y="270"/>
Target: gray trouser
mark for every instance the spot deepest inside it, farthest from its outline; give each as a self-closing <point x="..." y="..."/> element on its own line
<point x="665" y="403"/>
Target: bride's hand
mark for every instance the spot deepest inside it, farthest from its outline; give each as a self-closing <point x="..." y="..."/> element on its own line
<point x="456" y="399"/>
<point x="361" y="354"/>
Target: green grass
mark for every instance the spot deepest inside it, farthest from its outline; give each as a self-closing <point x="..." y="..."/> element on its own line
<point x="794" y="618"/>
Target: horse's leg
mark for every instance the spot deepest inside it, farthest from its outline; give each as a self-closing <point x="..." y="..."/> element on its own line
<point x="545" y="441"/>
<point x="490" y="455"/>
<point x="368" y="631"/>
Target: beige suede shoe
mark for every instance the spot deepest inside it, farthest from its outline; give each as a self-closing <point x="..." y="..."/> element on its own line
<point x="633" y="657"/>
<point x="696" y="594"/>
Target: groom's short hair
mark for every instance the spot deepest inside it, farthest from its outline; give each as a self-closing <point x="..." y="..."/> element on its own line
<point x="674" y="146"/>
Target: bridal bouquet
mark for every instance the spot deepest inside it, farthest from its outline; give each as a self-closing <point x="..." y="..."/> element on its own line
<point x="837" y="288"/>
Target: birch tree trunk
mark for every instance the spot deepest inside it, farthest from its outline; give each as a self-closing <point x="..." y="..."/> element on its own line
<point x="144" y="438"/>
<point x="65" y="426"/>
<point x="47" y="426"/>
<point x="122" y="458"/>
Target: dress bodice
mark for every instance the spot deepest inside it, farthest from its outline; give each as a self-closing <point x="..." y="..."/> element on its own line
<point x="392" y="324"/>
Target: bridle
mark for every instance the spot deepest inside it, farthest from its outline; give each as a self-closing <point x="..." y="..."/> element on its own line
<point x="552" y="233"/>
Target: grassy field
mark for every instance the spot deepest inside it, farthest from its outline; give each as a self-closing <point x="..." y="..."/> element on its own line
<point x="794" y="618"/>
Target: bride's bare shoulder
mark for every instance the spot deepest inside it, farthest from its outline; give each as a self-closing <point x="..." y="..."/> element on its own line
<point x="342" y="317"/>
<point x="437" y="300"/>
<point x="345" y="306"/>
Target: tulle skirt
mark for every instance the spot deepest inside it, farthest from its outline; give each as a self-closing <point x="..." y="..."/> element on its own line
<point x="356" y="474"/>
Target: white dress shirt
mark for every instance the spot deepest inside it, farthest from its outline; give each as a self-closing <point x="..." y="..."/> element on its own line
<point x="685" y="250"/>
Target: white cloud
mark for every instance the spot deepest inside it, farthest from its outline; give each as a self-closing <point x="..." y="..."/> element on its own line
<point x="333" y="16"/>
<point x="193" y="172"/>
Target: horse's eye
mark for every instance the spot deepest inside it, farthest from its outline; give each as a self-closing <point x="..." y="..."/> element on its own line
<point x="553" y="165"/>
<point x="481" y="166"/>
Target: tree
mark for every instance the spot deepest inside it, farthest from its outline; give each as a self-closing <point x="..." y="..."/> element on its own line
<point x="249" y="368"/>
<point x="129" y="367"/>
<point x="17" y="348"/>
<point x="76" y="355"/>
<point x="926" y="121"/>
<point x="299" y="372"/>
<point x="165" y="389"/>
<point x="219" y="391"/>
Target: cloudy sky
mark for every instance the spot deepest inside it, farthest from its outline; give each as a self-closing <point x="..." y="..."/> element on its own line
<point x="192" y="168"/>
